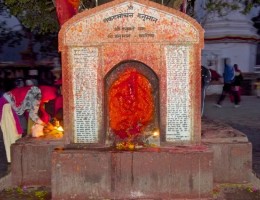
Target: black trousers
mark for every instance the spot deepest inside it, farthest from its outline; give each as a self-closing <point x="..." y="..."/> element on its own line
<point x="228" y="89"/>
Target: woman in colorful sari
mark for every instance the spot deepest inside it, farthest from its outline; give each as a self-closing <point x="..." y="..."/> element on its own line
<point x="16" y="103"/>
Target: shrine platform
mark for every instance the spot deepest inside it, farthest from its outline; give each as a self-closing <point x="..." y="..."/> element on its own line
<point x="149" y="173"/>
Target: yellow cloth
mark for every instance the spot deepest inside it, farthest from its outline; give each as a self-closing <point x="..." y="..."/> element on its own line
<point x="29" y="126"/>
<point x="8" y="126"/>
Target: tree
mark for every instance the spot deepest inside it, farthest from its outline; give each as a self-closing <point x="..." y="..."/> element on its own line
<point x="38" y="35"/>
<point x="219" y="8"/>
<point x="40" y="16"/>
<point x="9" y="35"/>
<point x="40" y="20"/>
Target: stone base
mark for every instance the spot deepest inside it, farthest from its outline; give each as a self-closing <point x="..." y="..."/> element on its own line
<point x="162" y="173"/>
<point x="232" y="152"/>
<point x="156" y="173"/>
<point x="31" y="161"/>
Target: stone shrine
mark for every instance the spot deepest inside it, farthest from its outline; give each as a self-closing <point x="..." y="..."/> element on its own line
<point x="131" y="72"/>
<point x="147" y="36"/>
<point x="131" y="86"/>
<point x="130" y="69"/>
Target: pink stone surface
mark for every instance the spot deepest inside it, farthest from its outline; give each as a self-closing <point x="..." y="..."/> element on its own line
<point x="218" y="132"/>
<point x="31" y="161"/>
<point x="90" y="29"/>
<point x="146" y="174"/>
<point x="171" y="25"/>
<point x="232" y="162"/>
<point x="74" y="175"/>
<point x="232" y="152"/>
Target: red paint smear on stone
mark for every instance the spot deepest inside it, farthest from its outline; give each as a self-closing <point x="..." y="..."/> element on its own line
<point x="131" y="105"/>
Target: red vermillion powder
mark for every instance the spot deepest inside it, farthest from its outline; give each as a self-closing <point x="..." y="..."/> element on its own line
<point x="131" y="105"/>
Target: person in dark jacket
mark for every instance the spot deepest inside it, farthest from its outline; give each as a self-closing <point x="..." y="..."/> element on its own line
<point x="237" y="85"/>
<point x="229" y="76"/>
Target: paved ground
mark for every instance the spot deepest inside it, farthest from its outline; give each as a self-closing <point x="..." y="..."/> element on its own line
<point x="245" y="118"/>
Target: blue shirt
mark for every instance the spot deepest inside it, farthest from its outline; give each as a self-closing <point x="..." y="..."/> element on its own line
<point x="229" y="74"/>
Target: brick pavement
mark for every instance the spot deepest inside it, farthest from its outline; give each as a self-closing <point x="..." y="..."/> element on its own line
<point x="245" y="119"/>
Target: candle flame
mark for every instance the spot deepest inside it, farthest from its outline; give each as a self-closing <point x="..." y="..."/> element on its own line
<point x="60" y="129"/>
<point x="156" y="133"/>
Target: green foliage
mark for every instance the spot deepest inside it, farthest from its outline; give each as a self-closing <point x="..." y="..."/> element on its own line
<point x="222" y="7"/>
<point x="249" y="4"/>
<point x="32" y="193"/>
<point x="45" y="38"/>
<point x="38" y="16"/>
<point x="40" y="194"/>
<point x="19" y="190"/>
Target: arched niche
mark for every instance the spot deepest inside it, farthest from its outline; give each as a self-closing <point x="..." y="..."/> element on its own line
<point x="113" y="77"/>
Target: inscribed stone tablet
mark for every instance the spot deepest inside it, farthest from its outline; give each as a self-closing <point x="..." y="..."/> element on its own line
<point x="85" y="61"/>
<point x="178" y="122"/>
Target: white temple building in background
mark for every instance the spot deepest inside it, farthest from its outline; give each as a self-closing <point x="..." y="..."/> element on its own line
<point x="231" y="35"/>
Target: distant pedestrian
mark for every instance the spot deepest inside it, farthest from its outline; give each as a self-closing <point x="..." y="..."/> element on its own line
<point x="257" y="87"/>
<point x="238" y="81"/>
<point x="229" y="76"/>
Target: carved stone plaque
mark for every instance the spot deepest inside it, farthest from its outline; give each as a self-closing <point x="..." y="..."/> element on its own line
<point x="85" y="61"/>
<point x="178" y="120"/>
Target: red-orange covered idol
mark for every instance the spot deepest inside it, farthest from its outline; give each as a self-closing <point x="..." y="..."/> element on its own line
<point x="131" y="104"/>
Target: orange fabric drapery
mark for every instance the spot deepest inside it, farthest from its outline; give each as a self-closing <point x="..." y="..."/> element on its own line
<point x="66" y="9"/>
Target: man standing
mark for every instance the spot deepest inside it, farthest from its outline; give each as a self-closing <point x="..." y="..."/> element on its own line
<point x="229" y="75"/>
